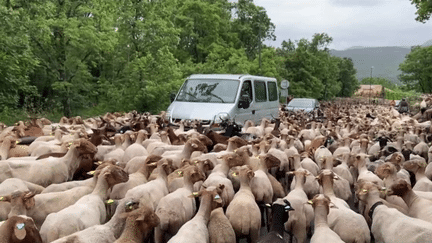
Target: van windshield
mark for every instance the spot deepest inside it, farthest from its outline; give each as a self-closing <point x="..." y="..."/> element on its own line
<point x="209" y="91"/>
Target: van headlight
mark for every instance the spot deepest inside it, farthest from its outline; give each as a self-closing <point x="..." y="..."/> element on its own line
<point x="223" y="116"/>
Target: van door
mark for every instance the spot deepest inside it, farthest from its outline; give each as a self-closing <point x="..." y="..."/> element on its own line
<point x="261" y="106"/>
<point x="246" y="93"/>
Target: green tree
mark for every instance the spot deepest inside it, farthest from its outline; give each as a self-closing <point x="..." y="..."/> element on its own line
<point x="68" y="38"/>
<point x="142" y="70"/>
<point x="252" y="25"/>
<point x="16" y="57"/>
<point x="309" y="67"/>
<point x="424" y="9"/>
<point x="417" y="69"/>
<point x="347" y="78"/>
<point x="202" y="23"/>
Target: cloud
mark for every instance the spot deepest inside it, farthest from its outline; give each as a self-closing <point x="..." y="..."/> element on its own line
<point x="349" y="22"/>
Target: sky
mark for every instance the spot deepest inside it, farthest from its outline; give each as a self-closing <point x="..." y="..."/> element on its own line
<point x="369" y="23"/>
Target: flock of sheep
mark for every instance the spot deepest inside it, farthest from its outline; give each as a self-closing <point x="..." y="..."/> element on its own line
<point x="362" y="174"/>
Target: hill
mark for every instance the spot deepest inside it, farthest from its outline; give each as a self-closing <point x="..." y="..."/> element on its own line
<point x="385" y="60"/>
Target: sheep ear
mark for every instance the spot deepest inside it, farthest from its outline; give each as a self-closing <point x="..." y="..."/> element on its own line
<point x="5" y="198"/>
<point x="195" y="194"/>
<point x="332" y="205"/>
<point x="20" y="231"/>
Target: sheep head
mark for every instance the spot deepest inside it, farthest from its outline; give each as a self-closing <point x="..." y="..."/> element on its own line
<point x="399" y="188"/>
<point x="270" y="160"/>
<point x="113" y="175"/>
<point x="144" y="217"/>
<point x="326" y="173"/>
<point x="415" y="165"/>
<point x="213" y="193"/>
<point x="20" y="202"/>
<point x="204" y="165"/>
<point x="84" y="146"/>
<point x="365" y="188"/>
<point x="321" y="200"/>
<point x="300" y="174"/>
<point x="385" y="170"/>
<point x="244" y="172"/>
<point x="193" y="172"/>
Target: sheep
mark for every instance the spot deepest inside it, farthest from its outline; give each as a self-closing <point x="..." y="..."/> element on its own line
<point x="139" y="224"/>
<point x="258" y="130"/>
<point x="311" y="186"/>
<point x="219" y="176"/>
<point x="349" y="225"/>
<point x="136" y="149"/>
<point x="153" y="191"/>
<point x="39" y="206"/>
<point x="341" y="186"/>
<point x="422" y="148"/>
<point x="19" y="229"/>
<point x="176" y="180"/>
<point x="191" y="146"/>
<point x="299" y="220"/>
<point x="195" y="230"/>
<point x="106" y="233"/>
<point x="243" y="212"/>
<point x="260" y="183"/>
<point x="418" y="207"/>
<point x="151" y="144"/>
<point x="87" y="211"/>
<point x="59" y="187"/>
<point x="135" y="179"/>
<point x="219" y="228"/>
<point x="322" y="231"/>
<point x="418" y="168"/>
<point x="359" y="161"/>
<point x="176" y="208"/>
<point x="118" y="152"/>
<point x="47" y="171"/>
<point x="388" y="224"/>
<point x="8" y="142"/>
<point x="280" y="214"/>
<point x="388" y="173"/>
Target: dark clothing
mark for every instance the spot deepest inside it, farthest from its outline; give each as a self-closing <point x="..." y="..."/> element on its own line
<point x="403" y="106"/>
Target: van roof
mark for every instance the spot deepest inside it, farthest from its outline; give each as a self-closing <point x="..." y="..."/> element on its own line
<point x="225" y="76"/>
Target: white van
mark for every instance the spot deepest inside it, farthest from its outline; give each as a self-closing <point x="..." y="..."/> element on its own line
<point x="217" y="97"/>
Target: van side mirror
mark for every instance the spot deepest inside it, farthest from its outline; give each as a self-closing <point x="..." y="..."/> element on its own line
<point x="172" y="96"/>
<point x="243" y="103"/>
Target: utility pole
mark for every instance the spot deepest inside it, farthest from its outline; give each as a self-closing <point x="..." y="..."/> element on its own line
<point x="260" y="15"/>
<point x="370" y="84"/>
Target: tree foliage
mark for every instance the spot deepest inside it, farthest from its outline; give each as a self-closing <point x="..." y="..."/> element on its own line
<point x="417" y="69"/>
<point x="424" y="9"/>
<point x="79" y="57"/>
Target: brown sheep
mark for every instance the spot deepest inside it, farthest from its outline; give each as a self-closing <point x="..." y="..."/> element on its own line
<point x="19" y="229"/>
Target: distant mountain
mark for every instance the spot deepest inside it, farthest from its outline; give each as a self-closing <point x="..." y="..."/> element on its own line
<point x="427" y="43"/>
<point x="385" y="60"/>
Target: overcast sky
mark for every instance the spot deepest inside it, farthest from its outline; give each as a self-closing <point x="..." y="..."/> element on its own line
<point x="348" y="22"/>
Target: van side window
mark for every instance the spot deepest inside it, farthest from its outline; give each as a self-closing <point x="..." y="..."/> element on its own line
<point x="260" y="91"/>
<point x="272" y="90"/>
<point x="246" y="91"/>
